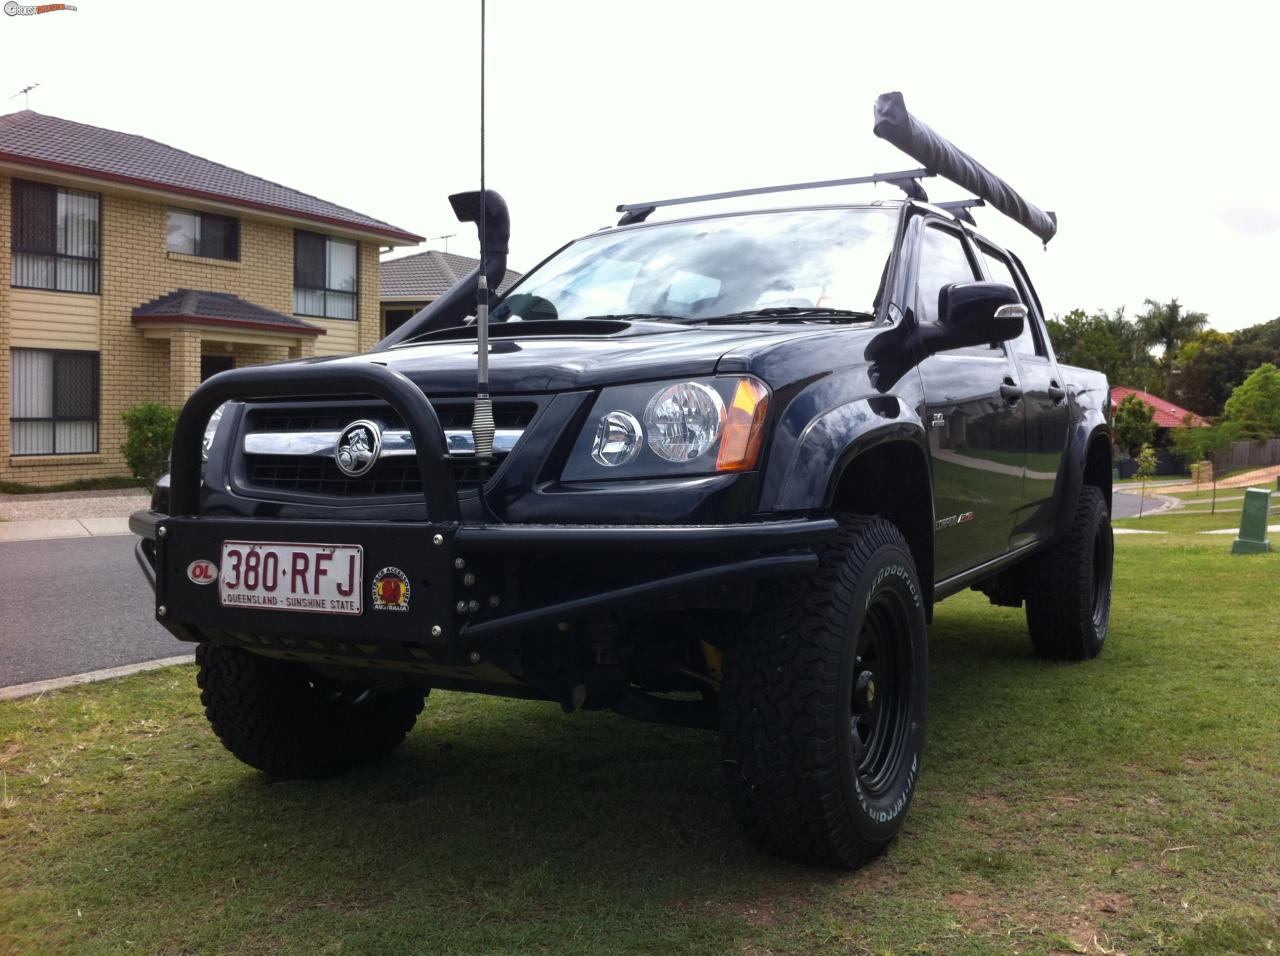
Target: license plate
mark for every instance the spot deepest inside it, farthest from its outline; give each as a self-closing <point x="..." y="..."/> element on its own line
<point x="284" y="576"/>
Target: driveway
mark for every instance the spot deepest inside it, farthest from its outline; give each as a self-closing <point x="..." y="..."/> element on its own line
<point x="74" y="605"/>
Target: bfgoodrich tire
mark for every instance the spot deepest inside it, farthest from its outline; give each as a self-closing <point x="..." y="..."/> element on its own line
<point x="283" y="719"/>
<point x="1069" y="592"/>
<point x="822" y="707"/>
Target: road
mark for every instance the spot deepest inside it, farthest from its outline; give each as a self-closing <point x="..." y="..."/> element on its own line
<point x="73" y="605"/>
<point x="1124" y="504"/>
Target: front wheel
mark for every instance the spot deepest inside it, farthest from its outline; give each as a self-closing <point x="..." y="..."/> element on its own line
<point x="822" y="706"/>
<point x="285" y="720"/>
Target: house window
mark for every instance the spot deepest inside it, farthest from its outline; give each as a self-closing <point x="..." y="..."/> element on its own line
<point x="203" y="234"/>
<point x="55" y="402"/>
<point x="55" y="238"/>
<point x="324" y="276"/>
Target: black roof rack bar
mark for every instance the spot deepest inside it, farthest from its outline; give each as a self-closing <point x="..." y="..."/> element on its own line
<point x="894" y="124"/>
<point x="636" y="212"/>
<point x="960" y="208"/>
<point x="953" y="204"/>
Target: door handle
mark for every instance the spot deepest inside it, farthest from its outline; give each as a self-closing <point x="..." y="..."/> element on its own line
<point x="1057" y="393"/>
<point x="1012" y="394"/>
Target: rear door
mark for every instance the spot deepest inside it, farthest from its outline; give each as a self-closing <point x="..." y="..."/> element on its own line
<point x="1047" y="413"/>
<point x="973" y="410"/>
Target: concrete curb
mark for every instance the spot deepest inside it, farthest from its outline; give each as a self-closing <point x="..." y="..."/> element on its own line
<point x="90" y="677"/>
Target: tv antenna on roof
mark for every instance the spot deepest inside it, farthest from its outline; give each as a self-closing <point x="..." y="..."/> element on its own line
<point x="446" y="237"/>
<point x="25" y="93"/>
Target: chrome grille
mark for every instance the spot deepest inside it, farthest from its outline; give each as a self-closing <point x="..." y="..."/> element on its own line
<point x="290" y="449"/>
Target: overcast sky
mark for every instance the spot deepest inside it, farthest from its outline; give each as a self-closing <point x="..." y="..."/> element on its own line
<point x="1149" y="128"/>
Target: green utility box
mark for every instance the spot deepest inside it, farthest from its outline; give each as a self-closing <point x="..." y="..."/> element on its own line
<point x="1253" y="523"/>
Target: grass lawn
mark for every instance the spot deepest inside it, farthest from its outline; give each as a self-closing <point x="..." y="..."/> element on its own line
<point x="1125" y="805"/>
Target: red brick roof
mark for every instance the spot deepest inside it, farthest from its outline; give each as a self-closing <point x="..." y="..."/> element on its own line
<point x="33" y="139"/>
<point x="1167" y="414"/>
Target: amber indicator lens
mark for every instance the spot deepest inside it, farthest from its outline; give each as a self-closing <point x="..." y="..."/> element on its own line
<point x="744" y="427"/>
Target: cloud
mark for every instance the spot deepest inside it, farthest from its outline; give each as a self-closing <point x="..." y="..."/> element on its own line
<point x="1250" y="219"/>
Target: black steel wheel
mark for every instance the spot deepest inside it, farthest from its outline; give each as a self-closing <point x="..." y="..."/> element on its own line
<point x="822" y="707"/>
<point x="1069" y="585"/>
<point x="285" y="720"/>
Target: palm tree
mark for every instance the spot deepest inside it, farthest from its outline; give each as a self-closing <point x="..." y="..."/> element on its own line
<point x="1169" y="325"/>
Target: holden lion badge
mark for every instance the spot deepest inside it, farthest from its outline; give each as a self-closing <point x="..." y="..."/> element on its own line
<point x="390" y="590"/>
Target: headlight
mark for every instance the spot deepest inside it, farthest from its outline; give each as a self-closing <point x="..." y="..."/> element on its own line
<point x="664" y="429"/>
<point x="683" y="421"/>
<point x="618" y="439"/>
<point x="211" y="430"/>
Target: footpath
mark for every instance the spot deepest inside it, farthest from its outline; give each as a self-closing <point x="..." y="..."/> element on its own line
<point x="68" y="514"/>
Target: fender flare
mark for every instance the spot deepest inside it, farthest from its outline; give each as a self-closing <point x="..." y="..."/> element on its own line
<point x="1091" y="428"/>
<point x="810" y="470"/>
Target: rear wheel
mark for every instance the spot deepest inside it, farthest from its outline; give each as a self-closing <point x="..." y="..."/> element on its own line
<point x="1069" y="592"/>
<point x="822" y="705"/>
<point x="285" y="720"/>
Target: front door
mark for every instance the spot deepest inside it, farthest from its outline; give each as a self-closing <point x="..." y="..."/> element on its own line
<point x="974" y="414"/>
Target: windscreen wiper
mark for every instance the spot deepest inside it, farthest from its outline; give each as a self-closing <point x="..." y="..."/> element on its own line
<point x="788" y="312"/>
<point x="637" y="317"/>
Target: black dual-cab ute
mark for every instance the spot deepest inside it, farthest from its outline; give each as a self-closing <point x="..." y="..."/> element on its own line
<point x="737" y="459"/>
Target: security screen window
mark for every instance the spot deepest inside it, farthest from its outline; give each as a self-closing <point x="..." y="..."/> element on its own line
<point x="54" y="402"/>
<point x="203" y="234"/>
<point x="820" y="259"/>
<point x="55" y="238"/>
<point x="325" y="276"/>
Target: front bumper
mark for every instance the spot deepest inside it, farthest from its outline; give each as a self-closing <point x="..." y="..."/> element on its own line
<point x="455" y="607"/>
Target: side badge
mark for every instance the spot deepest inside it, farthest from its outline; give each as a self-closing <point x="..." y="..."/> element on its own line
<point x="390" y="590"/>
<point x="201" y="571"/>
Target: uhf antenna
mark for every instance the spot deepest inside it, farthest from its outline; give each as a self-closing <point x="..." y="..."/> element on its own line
<point x="482" y="418"/>
<point x="25" y="93"/>
<point x="446" y="237"/>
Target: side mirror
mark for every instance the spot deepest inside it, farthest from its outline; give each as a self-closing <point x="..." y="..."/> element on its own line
<point x="975" y="313"/>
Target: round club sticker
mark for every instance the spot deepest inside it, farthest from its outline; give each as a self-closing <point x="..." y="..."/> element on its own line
<point x="390" y="590"/>
<point x="202" y="571"/>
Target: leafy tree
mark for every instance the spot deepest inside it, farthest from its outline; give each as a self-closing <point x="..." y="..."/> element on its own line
<point x="1134" y="424"/>
<point x="1209" y="365"/>
<point x="150" y="436"/>
<point x="1168" y="325"/>
<point x="1254" y="404"/>
<point x="1106" y="341"/>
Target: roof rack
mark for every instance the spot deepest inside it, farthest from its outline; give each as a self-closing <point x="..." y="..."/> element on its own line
<point x="940" y="158"/>
<point x="960" y="208"/>
<point x="906" y="180"/>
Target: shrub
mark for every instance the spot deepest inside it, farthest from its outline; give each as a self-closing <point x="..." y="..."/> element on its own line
<point x="146" y="449"/>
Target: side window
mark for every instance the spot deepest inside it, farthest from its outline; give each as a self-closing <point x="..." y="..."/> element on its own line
<point x="1028" y="343"/>
<point x="942" y="262"/>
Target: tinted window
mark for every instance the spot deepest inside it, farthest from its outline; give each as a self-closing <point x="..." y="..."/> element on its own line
<point x="1000" y="271"/>
<point x="942" y="262"/>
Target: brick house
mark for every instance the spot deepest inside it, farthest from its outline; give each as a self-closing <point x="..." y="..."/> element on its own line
<point x="411" y="283"/>
<point x="129" y="270"/>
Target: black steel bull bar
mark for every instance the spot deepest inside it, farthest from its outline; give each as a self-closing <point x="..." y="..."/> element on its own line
<point x="309" y="381"/>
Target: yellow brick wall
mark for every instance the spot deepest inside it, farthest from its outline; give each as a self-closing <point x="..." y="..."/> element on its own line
<point x="136" y="268"/>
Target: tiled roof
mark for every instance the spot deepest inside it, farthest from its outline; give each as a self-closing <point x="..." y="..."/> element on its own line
<point x="35" y="139"/>
<point x="426" y="275"/>
<point x="219" y="308"/>
<point x="1167" y="414"/>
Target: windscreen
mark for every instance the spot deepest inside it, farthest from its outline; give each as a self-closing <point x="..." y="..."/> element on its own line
<point x="799" y="259"/>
